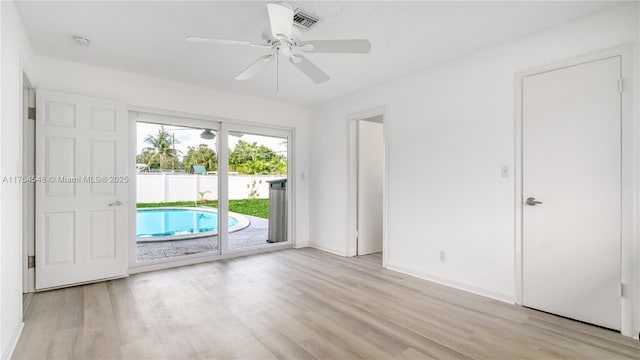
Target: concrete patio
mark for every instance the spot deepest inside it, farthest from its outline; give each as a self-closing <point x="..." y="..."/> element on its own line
<point x="253" y="235"/>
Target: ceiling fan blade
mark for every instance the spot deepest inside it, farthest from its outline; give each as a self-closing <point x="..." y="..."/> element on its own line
<point x="256" y="66"/>
<point x="353" y="46"/>
<point x="310" y="69"/>
<point x="281" y="20"/>
<point x="196" y="39"/>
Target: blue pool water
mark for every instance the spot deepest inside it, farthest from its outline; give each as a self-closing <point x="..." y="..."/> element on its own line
<point x="174" y="222"/>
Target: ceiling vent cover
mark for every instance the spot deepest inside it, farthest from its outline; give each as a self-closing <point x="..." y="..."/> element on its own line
<point x="304" y="20"/>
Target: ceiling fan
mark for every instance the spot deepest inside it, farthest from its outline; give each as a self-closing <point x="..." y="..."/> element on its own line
<point x="286" y="41"/>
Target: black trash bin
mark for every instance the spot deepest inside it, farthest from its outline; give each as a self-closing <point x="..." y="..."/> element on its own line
<point x="277" y="210"/>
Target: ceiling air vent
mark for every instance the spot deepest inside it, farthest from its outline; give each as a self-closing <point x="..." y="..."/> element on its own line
<point x="304" y="20"/>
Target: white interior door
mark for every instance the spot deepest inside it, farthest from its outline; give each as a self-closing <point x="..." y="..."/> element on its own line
<point x="81" y="157"/>
<point x="572" y="164"/>
<point x="370" y="178"/>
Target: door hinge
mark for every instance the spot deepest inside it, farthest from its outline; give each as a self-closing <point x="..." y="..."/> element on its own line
<point x="621" y="290"/>
<point x="31" y="262"/>
<point x="620" y="85"/>
<point x="32" y="113"/>
<point x="357" y="234"/>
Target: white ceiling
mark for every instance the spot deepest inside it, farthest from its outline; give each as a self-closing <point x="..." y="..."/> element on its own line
<point x="148" y="37"/>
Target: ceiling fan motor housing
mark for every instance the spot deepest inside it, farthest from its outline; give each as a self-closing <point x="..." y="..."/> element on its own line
<point x="296" y="36"/>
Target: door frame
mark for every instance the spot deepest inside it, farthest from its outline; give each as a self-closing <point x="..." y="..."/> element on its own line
<point x="28" y="148"/>
<point x="629" y="319"/>
<point x="352" y="198"/>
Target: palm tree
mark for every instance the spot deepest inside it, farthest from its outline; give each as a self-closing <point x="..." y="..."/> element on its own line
<point x="162" y="147"/>
<point x="146" y="157"/>
<point x="202" y="155"/>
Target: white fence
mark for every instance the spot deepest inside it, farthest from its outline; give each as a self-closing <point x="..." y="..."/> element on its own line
<point x="185" y="187"/>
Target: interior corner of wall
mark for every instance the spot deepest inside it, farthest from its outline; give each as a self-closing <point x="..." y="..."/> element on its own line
<point x="330" y="250"/>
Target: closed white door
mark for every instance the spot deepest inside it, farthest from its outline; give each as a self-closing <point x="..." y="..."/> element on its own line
<point x="370" y="179"/>
<point x="572" y="165"/>
<point x="81" y="157"/>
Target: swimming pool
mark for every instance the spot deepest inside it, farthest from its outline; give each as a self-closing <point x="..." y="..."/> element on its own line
<point x="159" y="224"/>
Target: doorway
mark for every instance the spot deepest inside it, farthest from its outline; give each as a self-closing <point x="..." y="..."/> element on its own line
<point x="370" y="176"/>
<point x="367" y="185"/>
<point x="573" y="191"/>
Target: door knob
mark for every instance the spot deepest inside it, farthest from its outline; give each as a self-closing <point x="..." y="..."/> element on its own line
<point x="531" y="201"/>
<point x="117" y="203"/>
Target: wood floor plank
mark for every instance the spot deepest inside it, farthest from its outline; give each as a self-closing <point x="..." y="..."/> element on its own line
<point x="98" y="337"/>
<point x="40" y="326"/>
<point x="297" y="304"/>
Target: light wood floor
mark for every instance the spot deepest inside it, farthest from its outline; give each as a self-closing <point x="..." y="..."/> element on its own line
<point x="297" y="304"/>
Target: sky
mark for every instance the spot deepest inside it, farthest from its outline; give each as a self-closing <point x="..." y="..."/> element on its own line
<point x="186" y="137"/>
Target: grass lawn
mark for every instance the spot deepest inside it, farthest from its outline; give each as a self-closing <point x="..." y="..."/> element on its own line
<point x="255" y="207"/>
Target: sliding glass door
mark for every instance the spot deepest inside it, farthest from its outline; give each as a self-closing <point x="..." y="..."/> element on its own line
<point x="176" y="190"/>
<point x="193" y="176"/>
<point x="257" y="187"/>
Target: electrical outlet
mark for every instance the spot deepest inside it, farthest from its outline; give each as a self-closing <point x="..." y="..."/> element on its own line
<point x="443" y="256"/>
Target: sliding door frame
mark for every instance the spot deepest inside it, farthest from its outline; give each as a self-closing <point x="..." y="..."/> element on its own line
<point x="222" y="126"/>
<point x="261" y="131"/>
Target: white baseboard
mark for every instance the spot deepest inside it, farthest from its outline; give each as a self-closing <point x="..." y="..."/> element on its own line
<point x="329" y="250"/>
<point x="13" y="343"/>
<point x="508" y="298"/>
<point x="301" y="245"/>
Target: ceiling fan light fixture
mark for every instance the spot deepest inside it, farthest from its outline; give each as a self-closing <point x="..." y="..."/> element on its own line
<point x="207" y="135"/>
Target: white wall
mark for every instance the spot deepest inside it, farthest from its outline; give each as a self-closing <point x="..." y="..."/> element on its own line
<point x="449" y="130"/>
<point x="145" y="91"/>
<point x="16" y="55"/>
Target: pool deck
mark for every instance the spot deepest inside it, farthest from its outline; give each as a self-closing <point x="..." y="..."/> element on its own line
<point x="255" y="234"/>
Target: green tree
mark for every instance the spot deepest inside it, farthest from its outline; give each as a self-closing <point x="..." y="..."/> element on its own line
<point x="146" y="157"/>
<point x="251" y="159"/>
<point x="162" y="150"/>
<point x="202" y="155"/>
